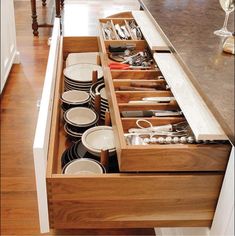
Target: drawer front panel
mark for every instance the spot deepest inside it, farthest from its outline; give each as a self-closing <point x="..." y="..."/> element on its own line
<point x="42" y="135"/>
<point x="133" y="201"/>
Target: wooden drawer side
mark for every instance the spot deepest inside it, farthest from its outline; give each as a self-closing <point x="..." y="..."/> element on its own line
<point x="80" y="44"/>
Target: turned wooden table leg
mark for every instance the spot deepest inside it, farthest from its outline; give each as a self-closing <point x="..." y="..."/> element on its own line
<point x="44" y="2"/>
<point x="34" y="18"/>
<point x="62" y="3"/>
<point x="57" y="8"/>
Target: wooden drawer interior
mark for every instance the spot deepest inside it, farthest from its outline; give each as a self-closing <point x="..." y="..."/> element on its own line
<point x="118" y="200"/>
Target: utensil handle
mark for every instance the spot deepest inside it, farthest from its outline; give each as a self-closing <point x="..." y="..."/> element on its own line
<point x="176" y="113"/>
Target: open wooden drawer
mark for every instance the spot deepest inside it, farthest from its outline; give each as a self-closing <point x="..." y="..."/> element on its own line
<point x="113" y="200"/>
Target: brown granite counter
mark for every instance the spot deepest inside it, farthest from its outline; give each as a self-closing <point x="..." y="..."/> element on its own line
<point x="189" y="26"/>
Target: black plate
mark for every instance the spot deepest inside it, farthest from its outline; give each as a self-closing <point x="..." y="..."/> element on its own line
<point x="64" y="158"/>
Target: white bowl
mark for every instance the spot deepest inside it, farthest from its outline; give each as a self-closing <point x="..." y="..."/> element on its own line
<point x="83" y="166"/>
<point x="75" y="97"/>
<point x="99" y="138"/>
<point x="80" y="116"/>
<point x="82" y="72"/>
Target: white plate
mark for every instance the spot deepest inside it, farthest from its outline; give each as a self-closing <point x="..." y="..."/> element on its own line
<point x="76" y="88"/>
<point x="97" y="138"/>
<point x="77" y="83"/>
<point x="75" y="96"/>
<point x="82" y="72"/>
<point x="80" y="116"/>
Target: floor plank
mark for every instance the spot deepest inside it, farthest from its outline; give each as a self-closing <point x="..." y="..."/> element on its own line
<point x="19" y="215"/>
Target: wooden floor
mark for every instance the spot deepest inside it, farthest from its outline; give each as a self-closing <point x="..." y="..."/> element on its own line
<point x="19" y="112"/>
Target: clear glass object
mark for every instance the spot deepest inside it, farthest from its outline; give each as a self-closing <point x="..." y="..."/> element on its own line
<point x="228" y="7"/>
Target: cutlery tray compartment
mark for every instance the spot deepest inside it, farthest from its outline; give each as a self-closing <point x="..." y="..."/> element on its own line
<point x="111" y="27"/>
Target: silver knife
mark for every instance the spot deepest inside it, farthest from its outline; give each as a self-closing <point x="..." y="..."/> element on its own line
<point x="147" y="100"/>
<point x="159" y="99"/>
<point x="149" y="113"/>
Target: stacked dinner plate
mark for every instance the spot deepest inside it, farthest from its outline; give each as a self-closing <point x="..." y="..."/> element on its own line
<point x="78" y="120"/>
<point x="99" y="88"/>
<point x="79" y="76"/>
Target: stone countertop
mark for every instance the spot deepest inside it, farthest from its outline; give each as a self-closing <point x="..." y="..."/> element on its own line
<point x="189" y="26"/>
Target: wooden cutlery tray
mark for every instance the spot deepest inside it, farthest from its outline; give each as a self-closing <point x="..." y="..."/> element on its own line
<point x="152" y="157"/>
<point x="156" y="157"/>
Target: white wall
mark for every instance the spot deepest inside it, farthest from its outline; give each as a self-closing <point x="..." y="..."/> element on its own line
<point x="9" y="53"/>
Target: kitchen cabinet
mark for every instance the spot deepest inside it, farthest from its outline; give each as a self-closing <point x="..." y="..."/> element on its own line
<point x="9" y="52"/>
<point x="168" y="185"/>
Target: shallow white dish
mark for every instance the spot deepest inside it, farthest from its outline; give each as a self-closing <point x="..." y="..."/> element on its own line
<point x="83" y="166"/>
<point x="75" y="97"/>
<point x="99" y="138"/>
<point x="80" y="116"/>
<point x="87" y="57"/>
<point x="82" y="72"/>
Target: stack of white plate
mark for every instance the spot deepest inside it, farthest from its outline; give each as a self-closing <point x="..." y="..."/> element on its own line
<point x="99" y="88"/>
<point x="79" y="119"/>
<point x="99" y="138"/>
<point x="79" y="76"/>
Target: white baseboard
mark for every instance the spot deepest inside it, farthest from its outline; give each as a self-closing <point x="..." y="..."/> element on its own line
<point x="17" y="58"/>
